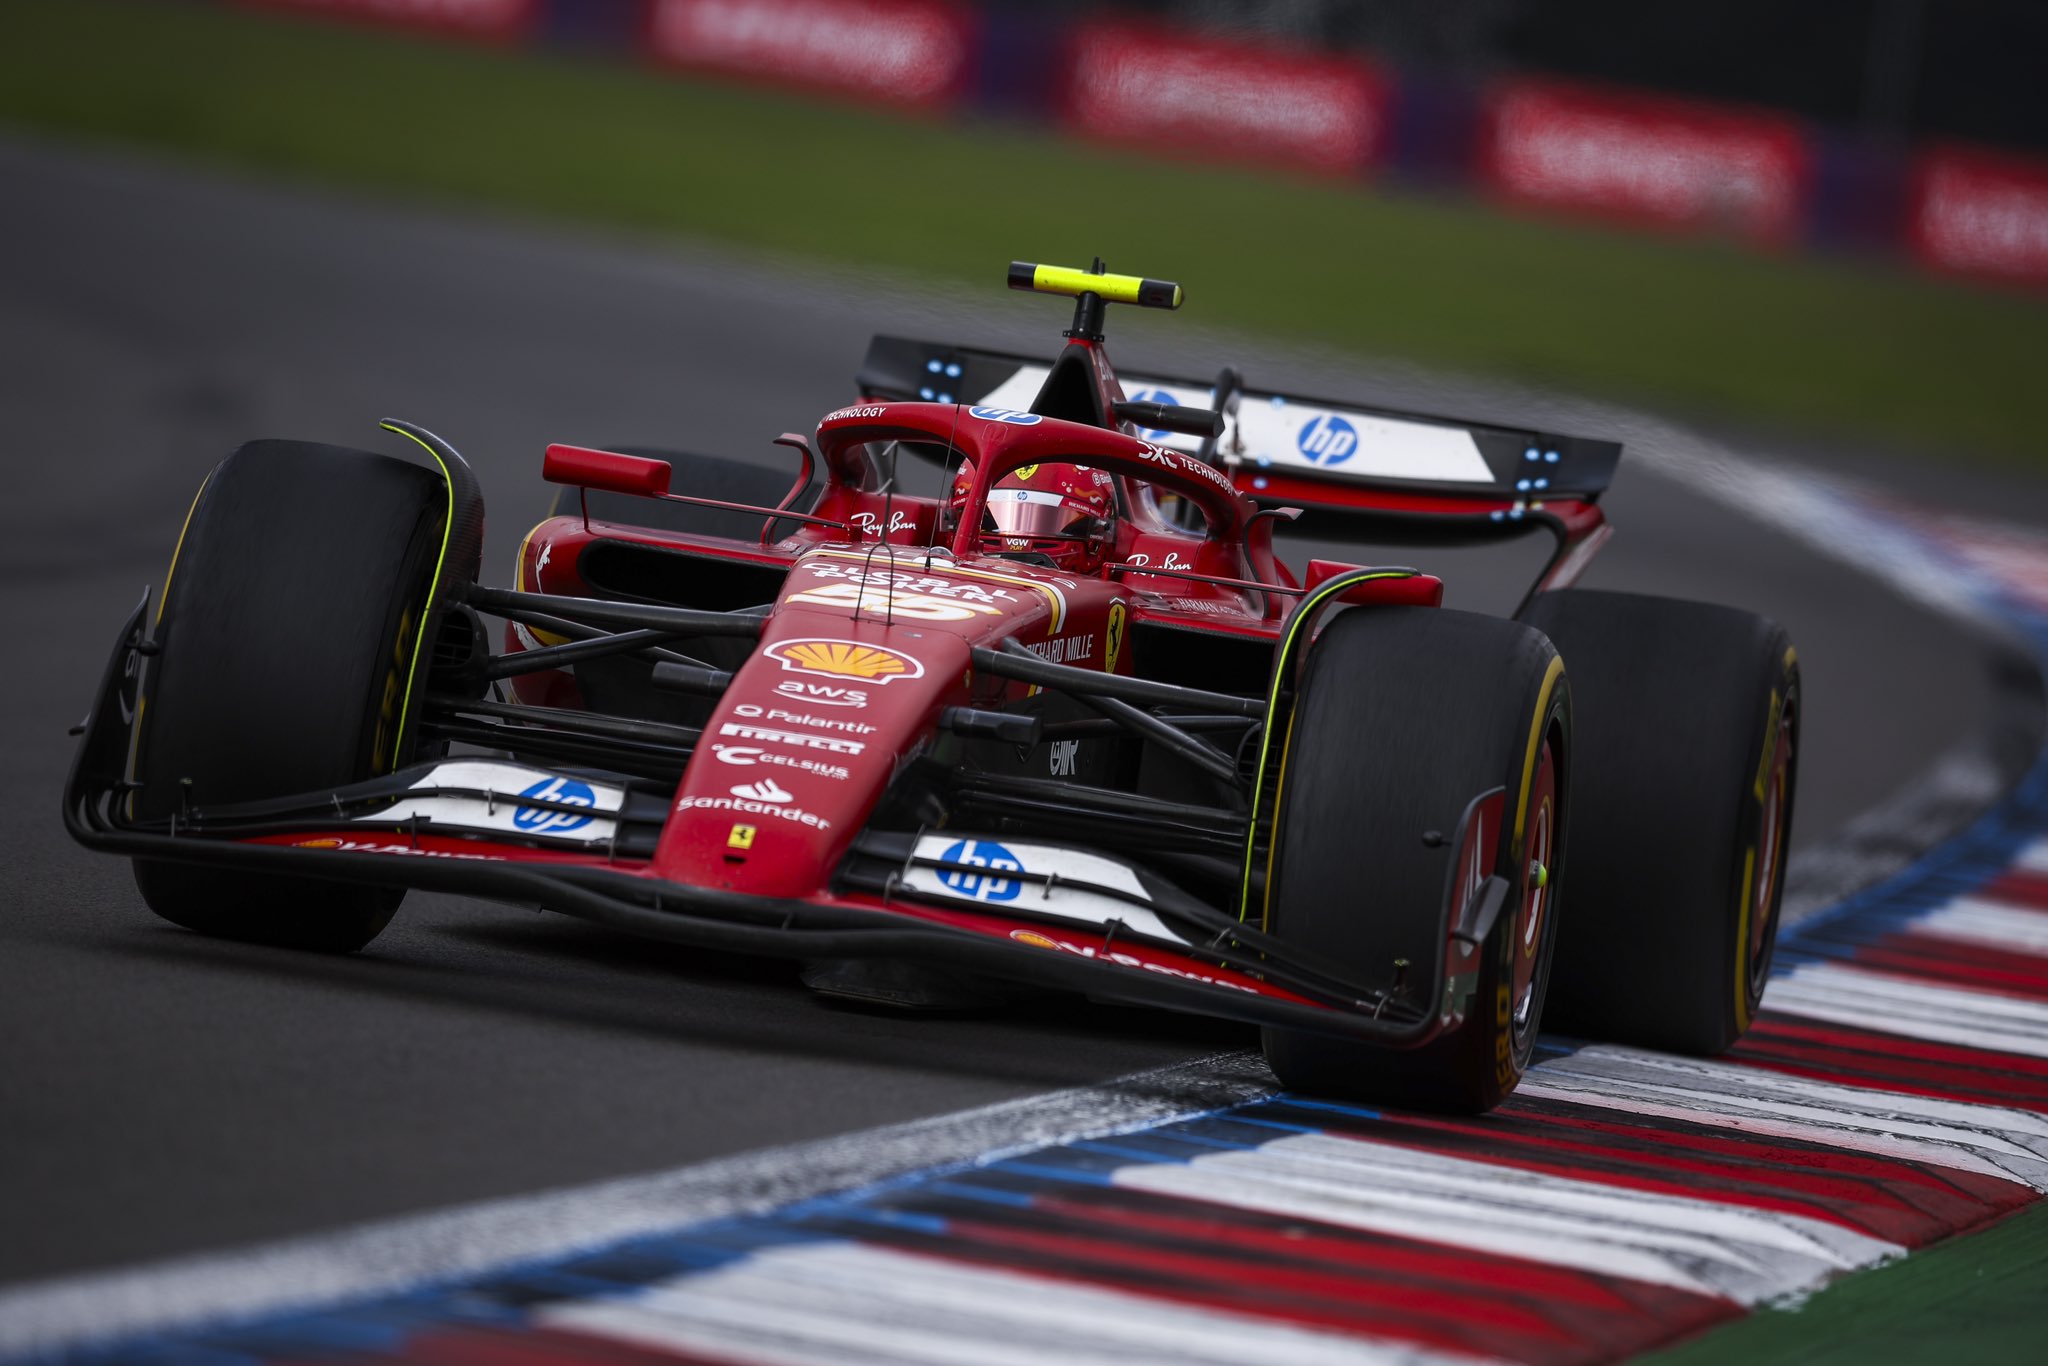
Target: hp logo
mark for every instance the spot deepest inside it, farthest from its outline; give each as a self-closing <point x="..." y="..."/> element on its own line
<point x="1329" y="440"/>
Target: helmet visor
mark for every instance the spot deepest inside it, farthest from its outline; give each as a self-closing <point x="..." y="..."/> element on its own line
<point x="1033" y="512"/>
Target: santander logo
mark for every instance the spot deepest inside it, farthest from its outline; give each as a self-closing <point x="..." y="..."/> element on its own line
<point x="767" y="790"/>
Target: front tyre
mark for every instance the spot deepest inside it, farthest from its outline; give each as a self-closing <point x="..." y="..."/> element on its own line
<point x="289" y="636"/>
<point x="1429" y="750"/>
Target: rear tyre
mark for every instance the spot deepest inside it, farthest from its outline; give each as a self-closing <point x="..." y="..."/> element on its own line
<point x="1409" y="719"/>
<point x="1688" y="762"/>
<point x="290" y="623"/>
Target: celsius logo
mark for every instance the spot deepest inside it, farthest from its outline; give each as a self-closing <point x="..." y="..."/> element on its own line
<point x="1329" y="440"/>
<point x="568" y="792"/>
<point x="767" y="790"/>
<point x="1009" y="415"/>
<point x="1155" y="396"/>
<point x="984" y="860"/>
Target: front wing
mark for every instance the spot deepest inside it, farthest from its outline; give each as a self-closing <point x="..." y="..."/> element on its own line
<point x="890" y="901"/>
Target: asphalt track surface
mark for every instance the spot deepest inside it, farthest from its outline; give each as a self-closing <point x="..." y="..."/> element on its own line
<point x="161" y="1093"/>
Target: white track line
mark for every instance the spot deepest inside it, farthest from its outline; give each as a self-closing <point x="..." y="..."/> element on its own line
<point x="402" y="1253"/>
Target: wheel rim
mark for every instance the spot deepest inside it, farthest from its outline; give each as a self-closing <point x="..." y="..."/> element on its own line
<point x="1773" y="828"/>
<point x="1532" y="918"/>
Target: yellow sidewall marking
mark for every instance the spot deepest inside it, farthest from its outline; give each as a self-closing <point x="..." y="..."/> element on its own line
<point x="1742" y="928"/>
<point x="179" y="548"/>
<point x="433" y="587"/>
<point x="1550" y="677"/>
<point x="1302" y="612"/>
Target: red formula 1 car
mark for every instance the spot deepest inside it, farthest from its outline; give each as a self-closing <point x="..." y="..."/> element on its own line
<point x="1066" y="723"/>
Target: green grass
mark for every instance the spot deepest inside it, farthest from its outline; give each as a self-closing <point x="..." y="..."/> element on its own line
<point x="1711" y="330"/>
<point x="1979" y="1300"/>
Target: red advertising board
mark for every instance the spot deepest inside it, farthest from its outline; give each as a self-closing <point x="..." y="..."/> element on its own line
<point x="912" y="52"/>
<point x="1645" y="160"/>
<point x="501" y="21"/>
<point x="1137" y="83"/>
<point x="1981" y="212"/>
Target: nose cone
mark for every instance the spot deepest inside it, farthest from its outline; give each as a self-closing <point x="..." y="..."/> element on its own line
<point x="802" y="747"/>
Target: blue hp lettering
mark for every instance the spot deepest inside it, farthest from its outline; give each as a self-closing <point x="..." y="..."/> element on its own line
<point x="1329" y="440"/>
<point x="985" y="885"/>
<point x="1009" y="415"/>
<point x="567" y="791"/>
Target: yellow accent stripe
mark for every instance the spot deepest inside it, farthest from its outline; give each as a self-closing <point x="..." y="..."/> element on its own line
<point x="1273" y="845"/>
<point x="1550" y="677"/>
<point x="1053" y="595"/>
<point x="179" y="548"/>
<point x="433" y="589"/>
<point x="1302" y="612"/>
<point x="1763" y="761"/>
<point x="1742" y="942"/>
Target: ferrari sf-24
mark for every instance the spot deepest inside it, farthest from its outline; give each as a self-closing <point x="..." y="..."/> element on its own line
<point x="1063" y="722"/>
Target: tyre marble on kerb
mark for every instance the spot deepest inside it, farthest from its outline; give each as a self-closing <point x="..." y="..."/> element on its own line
<point x="1987" y="922"/>
<point x="1704" y="1246"/>
<point x="1864" y="999"/>
<point x="1985" y="1139"/>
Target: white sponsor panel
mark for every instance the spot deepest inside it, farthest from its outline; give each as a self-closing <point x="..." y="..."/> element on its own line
<point x="502" y="809"/>
<point x="991" y="875"/>
<point x="1290" y="435"/>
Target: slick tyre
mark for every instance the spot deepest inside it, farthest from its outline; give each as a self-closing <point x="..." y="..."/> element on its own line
<point x="1687" y="744"/>
<point x="289" y="631"/>
<point x="1409" y="721"/>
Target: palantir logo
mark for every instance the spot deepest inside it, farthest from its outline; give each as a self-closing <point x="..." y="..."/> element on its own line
<point x="1155" y="396"/>
<point x="544" y="821"/>
<point x="982" y="885"/>
<point x="1329" y="440"/>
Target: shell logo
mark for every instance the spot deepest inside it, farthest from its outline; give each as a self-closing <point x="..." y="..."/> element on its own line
<point x="1034" y="939"/>
<point x="844" y="659"/>
<point x="319" y="844"/>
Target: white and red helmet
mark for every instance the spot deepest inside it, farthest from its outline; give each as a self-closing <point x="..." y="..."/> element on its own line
<point x="1066" y="513"/>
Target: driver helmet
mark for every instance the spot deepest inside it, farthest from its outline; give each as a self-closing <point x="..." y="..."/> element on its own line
<point x="1065" y="513"/>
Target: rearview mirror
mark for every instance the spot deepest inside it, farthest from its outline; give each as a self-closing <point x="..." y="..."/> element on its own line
<point x="608" y="470"/>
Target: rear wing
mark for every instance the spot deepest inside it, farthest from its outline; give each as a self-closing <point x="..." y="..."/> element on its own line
<point x="1323" y="454"/>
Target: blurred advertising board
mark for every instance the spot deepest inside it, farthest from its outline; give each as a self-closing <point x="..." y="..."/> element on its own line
<point x="1981" y="212"/>
<point x="1646" y="160"/>
<point x="909" y="52"/>
<point x="1144" y="84"/>
<point x="503" y="21"/>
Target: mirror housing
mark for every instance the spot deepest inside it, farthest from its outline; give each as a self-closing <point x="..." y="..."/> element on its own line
<point x="608" y="470"/>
